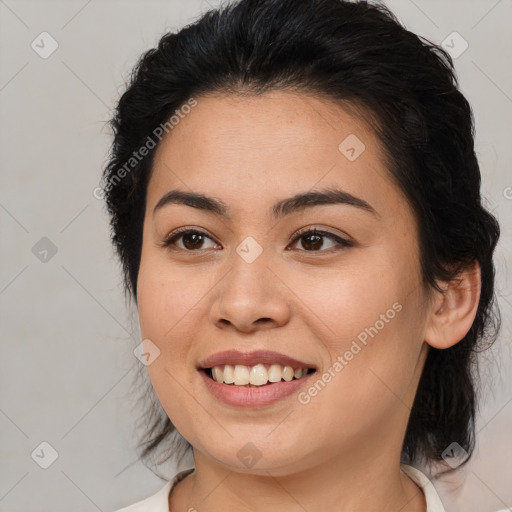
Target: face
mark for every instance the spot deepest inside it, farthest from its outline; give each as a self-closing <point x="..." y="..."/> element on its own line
<point x="345" y="302"/>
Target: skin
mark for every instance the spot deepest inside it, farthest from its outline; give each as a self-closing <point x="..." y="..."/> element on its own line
<point x="341" y="451"/>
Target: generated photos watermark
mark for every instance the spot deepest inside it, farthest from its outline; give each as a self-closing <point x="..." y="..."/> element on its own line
<point x="304" y="397"/>
<point x="149" y="144"/>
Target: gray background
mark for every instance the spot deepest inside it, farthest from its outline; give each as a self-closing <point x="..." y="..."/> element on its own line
<point x="67" y="367"/>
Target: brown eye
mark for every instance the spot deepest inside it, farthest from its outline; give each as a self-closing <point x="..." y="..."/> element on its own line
<point x="192" y="240"/>
<point x="313" y="240"/>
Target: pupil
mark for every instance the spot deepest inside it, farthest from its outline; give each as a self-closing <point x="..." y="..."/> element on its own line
<point x="194" y="236"/>
<point x="316" y="244"/>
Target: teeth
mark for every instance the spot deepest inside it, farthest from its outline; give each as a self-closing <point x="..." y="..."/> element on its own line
<point x="218" y="374"/>
<point x="287" y="373"/>
<point x="229" y="376"/>
<point x="258" y="375"/>
<point x="275" y="373"/>
<point x="241" y="375"/>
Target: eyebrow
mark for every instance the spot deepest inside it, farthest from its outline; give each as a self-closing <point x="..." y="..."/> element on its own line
<point x="296" y="203"/>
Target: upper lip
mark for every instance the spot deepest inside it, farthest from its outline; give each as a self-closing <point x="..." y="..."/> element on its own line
<point x="234" y="357"/>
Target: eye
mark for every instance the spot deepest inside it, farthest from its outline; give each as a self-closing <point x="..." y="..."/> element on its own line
<point x="312" y="240"/>
<point x="192" y="239"/>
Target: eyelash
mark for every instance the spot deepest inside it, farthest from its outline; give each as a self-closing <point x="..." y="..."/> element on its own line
<point x="173" y="237"/>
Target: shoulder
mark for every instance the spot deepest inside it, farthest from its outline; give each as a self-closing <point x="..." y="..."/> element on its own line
<point x="434" y="503"/>
<point x="157" y="502"/>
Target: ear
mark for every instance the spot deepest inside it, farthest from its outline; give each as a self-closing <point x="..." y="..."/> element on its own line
<point x="454" y="311"/>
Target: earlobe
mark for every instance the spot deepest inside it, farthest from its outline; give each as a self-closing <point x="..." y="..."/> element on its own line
<point x="453" y="313"/>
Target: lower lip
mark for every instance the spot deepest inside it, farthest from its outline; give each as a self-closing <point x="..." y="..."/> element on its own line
<point x="242" y="396"/>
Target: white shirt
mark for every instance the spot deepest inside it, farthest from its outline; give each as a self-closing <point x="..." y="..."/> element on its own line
<point x="159" y="501"/>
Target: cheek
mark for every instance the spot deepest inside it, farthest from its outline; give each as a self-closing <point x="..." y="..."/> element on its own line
<point x="368" y="319"/>
<point x="350" y="300"/>
<point x="368" y="381"/>
<point x="167" y="310"/>
<point x="168" y="300"/>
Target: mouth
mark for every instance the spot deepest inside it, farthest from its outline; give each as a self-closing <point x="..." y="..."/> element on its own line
<point x="255" y="385"/>
<point x="256" y="376"/>
<point x="254" y="369"/>
<point x="255" y="379"/>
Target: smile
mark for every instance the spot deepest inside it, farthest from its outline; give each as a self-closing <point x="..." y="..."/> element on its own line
<point x="251" y="395"/>
<point x="257" y="375"/>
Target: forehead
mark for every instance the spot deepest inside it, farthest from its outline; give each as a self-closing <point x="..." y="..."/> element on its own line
<point x="259" y="149"/>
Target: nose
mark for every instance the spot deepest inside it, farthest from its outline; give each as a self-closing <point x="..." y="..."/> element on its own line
<point x="251" y="297"/>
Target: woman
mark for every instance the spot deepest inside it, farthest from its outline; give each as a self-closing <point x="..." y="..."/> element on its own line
<point x="295" y="200"/>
